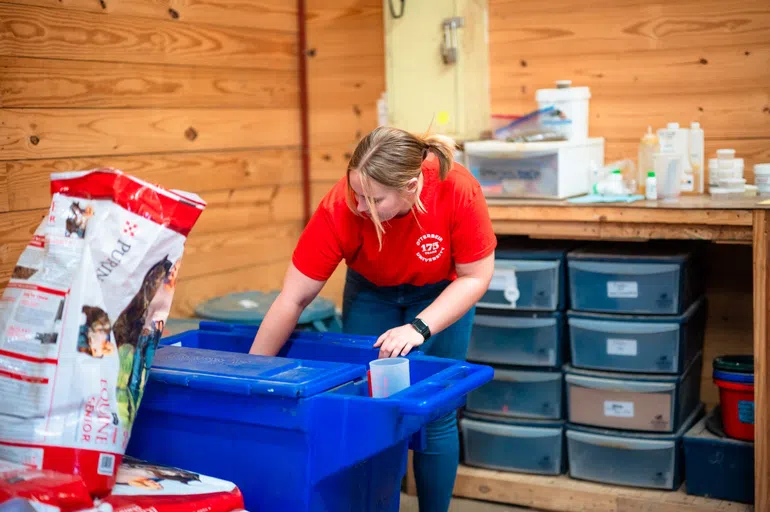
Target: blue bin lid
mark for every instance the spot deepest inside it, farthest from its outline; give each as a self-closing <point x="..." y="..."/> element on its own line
<point x="531" y="249"/>
<point x="246" y="374"/>
<point x="251" y="307"/>
<point x="177" y="325"/>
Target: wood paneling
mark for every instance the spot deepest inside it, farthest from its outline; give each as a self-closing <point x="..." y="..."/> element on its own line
<point x="198" y="95"/>
<point x="29" y="31"/>
<point x="27" y="181"/>
<point x="566" y="28"/>
<point x="29" y="83"/>
<point x="57" y="133"/>
<point x="346" y="75"/>
<point x="251" y="14"/>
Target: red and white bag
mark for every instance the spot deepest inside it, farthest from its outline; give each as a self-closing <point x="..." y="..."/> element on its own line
<point x="81" y="318"/>
<point x="144" y="487"/>
<point x="41" y="490"/>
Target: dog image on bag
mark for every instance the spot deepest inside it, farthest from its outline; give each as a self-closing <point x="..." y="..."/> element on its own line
<point x="94" y="335"/>
<point x="78" y="220"/>
<point x="133" y="347"/>
<point x="136" y="473"/>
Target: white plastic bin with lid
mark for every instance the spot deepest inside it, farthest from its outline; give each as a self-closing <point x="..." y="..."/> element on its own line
<point x="632" y="459"/>
<point x="544" y="170"/>
<point x="521" y="446"/>
<point x="572" y="104"/>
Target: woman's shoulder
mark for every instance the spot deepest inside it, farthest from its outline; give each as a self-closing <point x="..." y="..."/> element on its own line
<point x="335" y="202"/>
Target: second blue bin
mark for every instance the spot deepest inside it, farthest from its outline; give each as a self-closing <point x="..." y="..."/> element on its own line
<point x="297" y="432"/>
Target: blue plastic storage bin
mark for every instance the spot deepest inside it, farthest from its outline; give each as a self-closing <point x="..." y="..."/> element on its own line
<point x="520" y="393"/>
<point x="250" y="308"/>
<point x="297" y="432"/>
<point x="518" y="338"/>
<point x="522" y="446"/>
<point x="179" y="325"/>
<point x="634" y="279"/>
<point x="529" y="275"/>
<point x="643" y="344"/>
<point x="630" y="459"/>
<point x="717" y="466"/>
<point x="628" y="401"/>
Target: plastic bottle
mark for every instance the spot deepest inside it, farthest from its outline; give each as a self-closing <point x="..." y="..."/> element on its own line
<point x="667" y="138"/>
<point x="648" y="146"/>
<point x="651" y="187"/>
<point x="696" y="156"/>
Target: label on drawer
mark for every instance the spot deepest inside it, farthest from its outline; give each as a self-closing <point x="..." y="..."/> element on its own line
<point x="616" y="347"/>
<point x="622" y="289"/>
<point x="618" y="409"/>
<point x="505" y="281"/>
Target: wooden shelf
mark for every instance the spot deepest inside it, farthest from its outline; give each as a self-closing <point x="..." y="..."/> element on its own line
<point x="563" y="494"/>
<point x="695" y="218"/>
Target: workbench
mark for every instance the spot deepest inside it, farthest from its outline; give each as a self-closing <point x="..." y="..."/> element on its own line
<point x="733" y="221"/>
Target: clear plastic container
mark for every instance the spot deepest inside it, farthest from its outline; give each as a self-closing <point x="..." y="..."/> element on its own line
<point x="388" y="376"/>
<point x="522" y="446"/>
<point x="628" y="401"/>
<point x="518" y="338"/>
<point x="631" y="459"/>
<point x="636" y="343"/>
<point x="520" y="393"/>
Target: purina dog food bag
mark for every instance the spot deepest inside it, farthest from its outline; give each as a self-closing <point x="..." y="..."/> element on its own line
<point x="24" y="489"/>
<point x="144" y="487"/>
<point x="81" y="317"/>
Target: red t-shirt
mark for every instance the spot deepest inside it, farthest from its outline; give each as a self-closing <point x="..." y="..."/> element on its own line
<point x="455" y="229"/>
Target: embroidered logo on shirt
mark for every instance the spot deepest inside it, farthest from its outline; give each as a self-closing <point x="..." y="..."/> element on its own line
<point x="430" y="247"/>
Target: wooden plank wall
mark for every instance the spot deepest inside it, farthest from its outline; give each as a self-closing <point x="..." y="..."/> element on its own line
<point x="646" y="62"/>
<point x="346" y="75"/>
<point x="201" y="96"/>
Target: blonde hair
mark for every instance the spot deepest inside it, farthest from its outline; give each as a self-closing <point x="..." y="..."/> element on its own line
<point x="393" y="157"/>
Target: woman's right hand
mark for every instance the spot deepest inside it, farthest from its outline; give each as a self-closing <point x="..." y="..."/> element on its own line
<point x="281" y="319"/>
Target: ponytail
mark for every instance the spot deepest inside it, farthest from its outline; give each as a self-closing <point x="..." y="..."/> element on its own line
<point x="443" y="147"/>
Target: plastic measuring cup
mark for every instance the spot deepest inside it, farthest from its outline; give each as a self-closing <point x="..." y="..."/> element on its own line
<point x="388" y="376"/>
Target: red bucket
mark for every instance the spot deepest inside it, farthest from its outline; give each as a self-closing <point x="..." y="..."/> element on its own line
<point x="734" y="375"/>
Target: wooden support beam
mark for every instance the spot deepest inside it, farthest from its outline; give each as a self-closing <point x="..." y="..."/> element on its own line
<point x="761" y="360"/>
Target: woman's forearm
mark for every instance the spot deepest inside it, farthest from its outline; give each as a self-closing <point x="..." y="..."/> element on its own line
<point x="275" y="329"/>
<point x="454" y="302"/>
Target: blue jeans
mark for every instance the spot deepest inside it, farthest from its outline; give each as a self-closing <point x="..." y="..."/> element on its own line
<point x="371" y="310"/>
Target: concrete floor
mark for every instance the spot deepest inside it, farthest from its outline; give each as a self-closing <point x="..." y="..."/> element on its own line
<point x="409" y="504"/>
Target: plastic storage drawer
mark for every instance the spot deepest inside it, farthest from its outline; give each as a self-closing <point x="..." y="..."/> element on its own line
<point x="518" y="338"/>
<point x="529" y="275"/>
<point x="638" y="280"/>
<point x="635" y="460"/>
<point x="509" y="445"/>
<point x="296" y="432"/>
<point x="718" y="467"/>
<point x="644" y="344"/>
<point x="643" y="402"/>
<point x="520" y="393"/>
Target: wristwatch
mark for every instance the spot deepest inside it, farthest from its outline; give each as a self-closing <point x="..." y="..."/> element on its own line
<point x="422" y="328"/>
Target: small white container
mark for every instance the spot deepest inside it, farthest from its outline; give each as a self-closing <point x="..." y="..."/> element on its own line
<point x="738" y="164"/>
<point x="714" y="173"/>
<point x="732" y="184"/>
<point x="725" y="157"/>
<point x="762" y="178"/>
<point x="750" y="191"/>
<point x="668" y="174"/>
<point x="719" y="193"/>
<point x="572" y="102"/>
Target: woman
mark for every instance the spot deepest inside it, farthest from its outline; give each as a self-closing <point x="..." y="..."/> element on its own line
<point x="413" y="227"/>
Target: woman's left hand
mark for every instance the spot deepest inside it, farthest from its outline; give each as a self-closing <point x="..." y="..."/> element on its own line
<point x="398" y="341"/>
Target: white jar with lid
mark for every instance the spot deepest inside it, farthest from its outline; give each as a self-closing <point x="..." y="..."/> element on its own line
<point x="572" y="103"/>
<point x="762" y="178"/>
